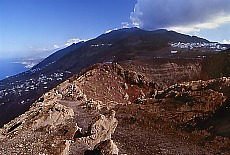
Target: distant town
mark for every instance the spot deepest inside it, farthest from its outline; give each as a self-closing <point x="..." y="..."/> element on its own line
<point x="216" y="47"/>
<point x="43" y="82"/>
<point x="25" y="86"/>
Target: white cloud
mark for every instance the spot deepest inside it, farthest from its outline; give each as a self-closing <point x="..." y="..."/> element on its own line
<point x="73" y="40"/>
<point x="125" y="25"/>
<point x="42" y="49"/>
<point x="45" y="49"/>
<point x="108" y="31"/>
<point x="213" y="24"/>
<point x="134" y="17"/>
<point x="189" y="16"/>
<point x="56" y="46"/>
<point x="226" y="41"/>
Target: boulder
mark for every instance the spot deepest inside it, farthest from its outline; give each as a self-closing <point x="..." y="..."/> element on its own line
<point x="1" y="134"/>
<point x="125" y="86"/>
<point x="100" y="129"/>
<point x="53" y="114"/>
<point x="126" y="96"/>
<point x="107" y="147"/>
<point x="46" y="128"/>
<point x="92" y="105"/>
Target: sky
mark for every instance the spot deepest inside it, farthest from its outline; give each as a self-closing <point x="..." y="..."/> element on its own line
<point x="32" y="27"/>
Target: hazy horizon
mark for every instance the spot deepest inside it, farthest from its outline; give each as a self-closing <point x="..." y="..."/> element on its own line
<point x="30" y="27"/>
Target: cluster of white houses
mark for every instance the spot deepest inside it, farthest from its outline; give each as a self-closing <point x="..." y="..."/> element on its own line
<point x="42" y="82"/>
<point x="97" y="45"/>
<point x="214" y="46"/>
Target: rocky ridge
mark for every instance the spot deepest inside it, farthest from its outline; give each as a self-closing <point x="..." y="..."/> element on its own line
<point x="49" y="127"/>
<point x="78" y="116"/>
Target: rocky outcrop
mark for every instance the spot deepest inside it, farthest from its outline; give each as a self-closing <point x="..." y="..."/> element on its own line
<point x="46" y="128"/>
<point x="107" y="147"/>
<point x="132" y="77"/>
<point x="41" y="114"/>
<point x="78" y="116"/>
<point x="104" y="86"/>
<point x="214" y="84"/>
<point x="196" y="102"/>
<point x="100" y="129"/>
<point x="49" y="128"/>
<point x="93" y="105"/>
<point x="166" y="72"/>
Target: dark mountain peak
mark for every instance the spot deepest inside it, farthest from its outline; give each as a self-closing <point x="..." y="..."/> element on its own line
<point x="126" y="40"/>
<point x="136" y="30"/>
<point x="120" y="33"/>
<point x="160" y="31"/>
<point x="161" y="34"/>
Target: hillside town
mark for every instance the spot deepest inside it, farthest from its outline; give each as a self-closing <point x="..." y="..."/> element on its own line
<point x="21" y="87"/>
<point x="215" y="47"/>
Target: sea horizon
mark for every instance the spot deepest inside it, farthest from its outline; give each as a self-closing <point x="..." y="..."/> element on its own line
<point x="8" y="67"/>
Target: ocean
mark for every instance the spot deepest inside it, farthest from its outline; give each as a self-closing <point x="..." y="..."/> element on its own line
<point x="8" y="68"/>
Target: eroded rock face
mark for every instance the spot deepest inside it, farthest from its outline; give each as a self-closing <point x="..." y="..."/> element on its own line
<point x="214" y="84"/>
<point x="196" y="102"/>
<point x="92" y="105"/>
<point x="49" y="127"/>
<point x="103" y="86"/>
<point x="46" y="128"/>
<point x="48" y="118"/>
<point x="101" y="129"/>
<point x="219" y="86"/>
<point x="132" y="77"/>
<point x="53" y="115"/>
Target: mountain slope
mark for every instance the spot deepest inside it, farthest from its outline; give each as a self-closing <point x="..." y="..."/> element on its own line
<point x="161" y="34"/>
<point x="173" y="121"/>
<point x="125" y="45"/>
<point x="120" y="45"/>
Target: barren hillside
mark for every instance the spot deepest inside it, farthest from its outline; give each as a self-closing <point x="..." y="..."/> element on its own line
<point x="110" y="107"/>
